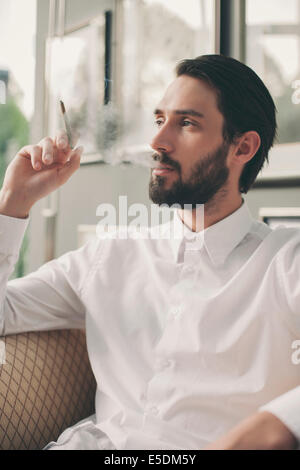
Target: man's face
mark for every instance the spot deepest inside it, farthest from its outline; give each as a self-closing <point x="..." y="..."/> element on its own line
<point x="189" y="145"/>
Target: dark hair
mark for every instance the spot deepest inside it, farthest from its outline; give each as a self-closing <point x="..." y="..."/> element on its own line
<point x="244" y="102"/>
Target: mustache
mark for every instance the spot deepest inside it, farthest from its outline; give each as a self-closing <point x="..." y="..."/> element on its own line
<point x="163" y="158"/>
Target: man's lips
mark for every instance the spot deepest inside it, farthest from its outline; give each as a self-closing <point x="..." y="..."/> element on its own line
<point x="162" y="169"/>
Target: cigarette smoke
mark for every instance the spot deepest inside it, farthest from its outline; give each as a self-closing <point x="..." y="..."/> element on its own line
<point x="101" y="133"/>
<point x="141" y="155"/>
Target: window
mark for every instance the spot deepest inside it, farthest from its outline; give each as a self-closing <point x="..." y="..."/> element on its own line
<point x="273" y="51"/>
<point x="17" y="68"/>
<point x="280" y="216"/>
<point x="77" y="78"/>
<point x="156" y="35"/>
<point x="2" y="92"/>
<point x="148" y="38"/>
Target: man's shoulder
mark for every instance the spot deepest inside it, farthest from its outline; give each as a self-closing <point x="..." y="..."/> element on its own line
<point x="280" y="237"/>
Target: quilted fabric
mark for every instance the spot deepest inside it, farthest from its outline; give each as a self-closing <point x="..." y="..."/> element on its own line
<point x="46" y="385"/>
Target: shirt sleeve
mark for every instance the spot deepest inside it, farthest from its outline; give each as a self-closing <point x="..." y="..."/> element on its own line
<point x="286" y="407"/>
<point x="288" y="273"/>
<point x="49" y="298"/>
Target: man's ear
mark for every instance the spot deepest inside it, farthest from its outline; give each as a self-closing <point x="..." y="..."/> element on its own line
<point x="248" y="146"/>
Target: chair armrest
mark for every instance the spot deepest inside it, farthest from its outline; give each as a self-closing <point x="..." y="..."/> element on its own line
<point x="46" y="385"/>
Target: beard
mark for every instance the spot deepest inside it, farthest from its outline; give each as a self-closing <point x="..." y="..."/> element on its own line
<point x="208" y="176"/>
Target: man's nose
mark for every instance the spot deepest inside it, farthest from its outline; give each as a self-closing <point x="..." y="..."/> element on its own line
<point x="162" y="141"/>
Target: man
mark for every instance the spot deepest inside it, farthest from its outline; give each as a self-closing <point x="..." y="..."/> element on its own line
<point x="189" y="338"/>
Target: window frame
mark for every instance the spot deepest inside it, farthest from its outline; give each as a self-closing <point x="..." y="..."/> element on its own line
<point x="59" y="26"/>
<point x="232" y="42"/>
<point x="135" y="150"/>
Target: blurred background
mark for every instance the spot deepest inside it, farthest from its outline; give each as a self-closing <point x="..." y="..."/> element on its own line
<point x="111" y="61"/>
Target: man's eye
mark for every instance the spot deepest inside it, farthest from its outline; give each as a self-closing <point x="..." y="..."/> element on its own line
<point x="187" y="123"/>
<point x="158" y="122"/>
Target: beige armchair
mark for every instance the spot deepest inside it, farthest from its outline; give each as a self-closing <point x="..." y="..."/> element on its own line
<point x="46" y="385"/>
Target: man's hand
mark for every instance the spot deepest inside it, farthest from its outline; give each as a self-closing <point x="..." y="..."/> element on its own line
<point x="30" y="176"/>
<point x="261" y="431"/>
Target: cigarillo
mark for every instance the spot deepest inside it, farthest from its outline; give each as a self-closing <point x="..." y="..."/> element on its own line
<point x="67" y="124"/>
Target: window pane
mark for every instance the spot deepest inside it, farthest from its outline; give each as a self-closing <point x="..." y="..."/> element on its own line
<point x="17" y="69"/>
<point x="77" y="78"/>
<point x="152" y="36"/>
<point x="273" y="51"/>
<point x="156" y="35"/>
<point x="272" y="12"/>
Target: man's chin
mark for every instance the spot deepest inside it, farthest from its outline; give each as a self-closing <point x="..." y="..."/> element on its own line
<point x="161" y="192"/>
<point x="160" y="196"/>
<point x="163" y="198"/>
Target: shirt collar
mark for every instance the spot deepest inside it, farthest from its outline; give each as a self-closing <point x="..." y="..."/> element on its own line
<point x="219" y="239"/>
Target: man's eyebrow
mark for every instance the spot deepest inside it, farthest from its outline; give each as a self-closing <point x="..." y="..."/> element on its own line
<point x="182" y="112"/>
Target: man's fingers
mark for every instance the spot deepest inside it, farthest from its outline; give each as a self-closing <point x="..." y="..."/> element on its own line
<point x="61" y="140"/>
<point x="47" y="150"/>
<point x="37" y="154"/>
<point x="71" y="165"/>
<point x="34" y="153"/>
<point x="36" y="157"/>
<point x="75" y="137"/>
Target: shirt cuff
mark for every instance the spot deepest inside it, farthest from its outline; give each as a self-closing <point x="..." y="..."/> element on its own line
<point x="286" y="407"/>
<point x="12" y="232"/>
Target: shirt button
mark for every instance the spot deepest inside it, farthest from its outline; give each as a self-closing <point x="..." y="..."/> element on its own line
<point x="195" y="245"/>
<point x="153" y="410"/>
<point x="166" y="363"/>
<point x="163" y="364"/>
<point x="188" y="269"/>
<point x="175" y="311"/>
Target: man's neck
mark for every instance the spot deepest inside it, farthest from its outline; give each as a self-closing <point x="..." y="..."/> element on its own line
<point x="212" y="212"/>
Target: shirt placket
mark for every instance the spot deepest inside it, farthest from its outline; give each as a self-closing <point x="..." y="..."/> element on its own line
<point x="166" y="368"/>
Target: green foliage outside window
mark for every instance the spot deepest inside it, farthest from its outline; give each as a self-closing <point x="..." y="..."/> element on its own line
<point x="14" y="133"/>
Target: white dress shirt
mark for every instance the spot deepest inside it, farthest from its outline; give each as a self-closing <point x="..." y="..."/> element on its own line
<point x="184" y="343"/>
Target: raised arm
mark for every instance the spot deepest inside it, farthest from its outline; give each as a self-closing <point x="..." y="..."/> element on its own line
<point x="50" y="297"/>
